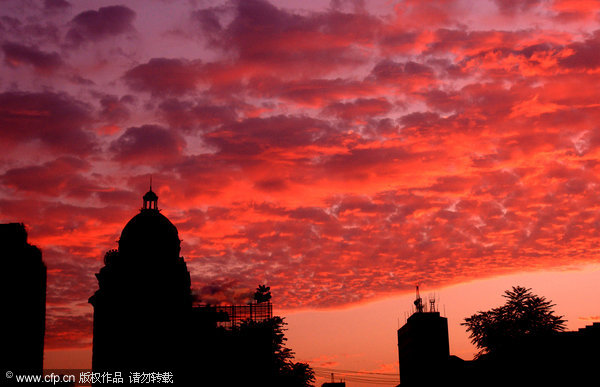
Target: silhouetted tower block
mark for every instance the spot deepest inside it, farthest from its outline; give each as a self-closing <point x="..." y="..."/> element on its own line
<point x="23" y="300"/>
<point x="423" y="347"/>
<point x="143" y="306"/>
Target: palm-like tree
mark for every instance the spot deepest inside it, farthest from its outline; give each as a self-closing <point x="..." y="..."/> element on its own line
<point x="262" y="294"/>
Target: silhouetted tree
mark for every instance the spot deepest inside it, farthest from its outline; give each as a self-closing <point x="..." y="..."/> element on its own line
<point x="524" y="314"/>
<point x="262" y="294"/>
<point x="282" y="369"/>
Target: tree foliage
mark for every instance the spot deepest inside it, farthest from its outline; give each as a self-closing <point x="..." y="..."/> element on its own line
<point x="262" y="294"/>
<point x="284" y="371"/>
<point x="523" y="314"/>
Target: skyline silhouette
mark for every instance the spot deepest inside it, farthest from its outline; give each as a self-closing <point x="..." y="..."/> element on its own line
<point x="338" y="151"/>
<point x="23" y="300"/>
<point x="523" y="343"/>
<point x="145" y="319"/>
<point x="146" y="275"/>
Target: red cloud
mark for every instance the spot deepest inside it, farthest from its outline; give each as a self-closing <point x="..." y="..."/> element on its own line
<point x="58" y="121"/>
<point x="262" y="34"/>
<point x="54" y="178"/>
<point x="312" y="92"/>
<point x="360" y="108"/>
<point x="584" y="53"/>
<point x="337" y="154"/>
<point x="191" y="116"/>
<point x="257" y="135"/>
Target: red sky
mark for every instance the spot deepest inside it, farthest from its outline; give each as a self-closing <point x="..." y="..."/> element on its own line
<point x="340" y="151"/>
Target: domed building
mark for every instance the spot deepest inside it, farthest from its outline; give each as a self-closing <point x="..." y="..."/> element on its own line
<point x="143" y="304"/>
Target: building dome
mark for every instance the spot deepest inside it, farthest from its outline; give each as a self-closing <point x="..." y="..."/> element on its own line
<point x="150" y="233"/>
<point x="143" y="302"/>
<point x="150" y="196"/>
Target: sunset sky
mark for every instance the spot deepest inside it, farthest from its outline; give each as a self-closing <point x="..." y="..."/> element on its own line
<point x="338" y="151"/>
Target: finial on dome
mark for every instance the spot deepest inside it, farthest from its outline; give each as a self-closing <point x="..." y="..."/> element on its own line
<point x="150" y="199"/>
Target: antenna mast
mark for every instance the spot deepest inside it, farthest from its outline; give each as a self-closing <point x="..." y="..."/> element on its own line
<point x="419" y="302"/>
<point x="432" y="304"/>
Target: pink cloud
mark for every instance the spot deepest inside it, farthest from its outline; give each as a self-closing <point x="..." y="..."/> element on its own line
<point x="147" y="143"/>
<point x="44" y="62"/>
<point x="182" y="76"/>
<point x="94" y="25"/>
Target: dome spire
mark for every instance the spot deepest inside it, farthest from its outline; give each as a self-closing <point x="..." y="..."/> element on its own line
<point x="150" y="199"/>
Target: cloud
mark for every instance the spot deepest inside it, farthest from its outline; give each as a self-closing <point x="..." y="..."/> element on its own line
<point x="91" y="26"/>
<point x="339" y="153"/>
<point x="225" y="292"/>
<point x="257" y="135"/>
<point x="360" y="108"/>
<point x="590" y="318"/>
<point x="165" y="76"/>
<point x="54" y="178"/>
<point x="271" y="184"/>
<point x="147" y="144"/>
<point x="26" y="29"/>
<point x="56" y="120"/>
<point x="313" y="92"/>
<point x="572" y="11"/>
<point x="512" y="6"/>
<point x="286" y="39"/>
<point x="114" y="109"/>
<point x="190" y="116"/>
<point x="16" y="55"/>
<point x="584" y="54"/>
<point x="57" y="5"/>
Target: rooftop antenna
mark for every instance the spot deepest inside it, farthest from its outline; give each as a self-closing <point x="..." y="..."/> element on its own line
<point x="432" y="304"/>
<point x="419" y="302"/>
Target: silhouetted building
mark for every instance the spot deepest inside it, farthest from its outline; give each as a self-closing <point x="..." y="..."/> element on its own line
<point x="553" y="359"/>
<point x="23" y="300"/>
<point x="422" y="345"/>
<point x="145" y="321"/>
<point x="143" y="305"/>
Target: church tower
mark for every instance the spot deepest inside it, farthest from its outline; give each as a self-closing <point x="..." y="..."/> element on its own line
<point x="143" y="304"/>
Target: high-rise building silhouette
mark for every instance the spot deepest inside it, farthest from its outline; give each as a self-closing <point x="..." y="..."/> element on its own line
<point x="23" y="300"/>
<point x="423" y="346"/>
<point x="143" y="304"/>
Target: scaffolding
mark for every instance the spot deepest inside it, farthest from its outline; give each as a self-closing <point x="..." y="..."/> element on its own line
<point x="238" y="313"/>
<point x="228" y="316"/>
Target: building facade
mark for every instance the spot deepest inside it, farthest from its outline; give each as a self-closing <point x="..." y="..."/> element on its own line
<point x="423" y="346"/>
<point x="143" y="304"/>
<point x="23" y="299"/>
